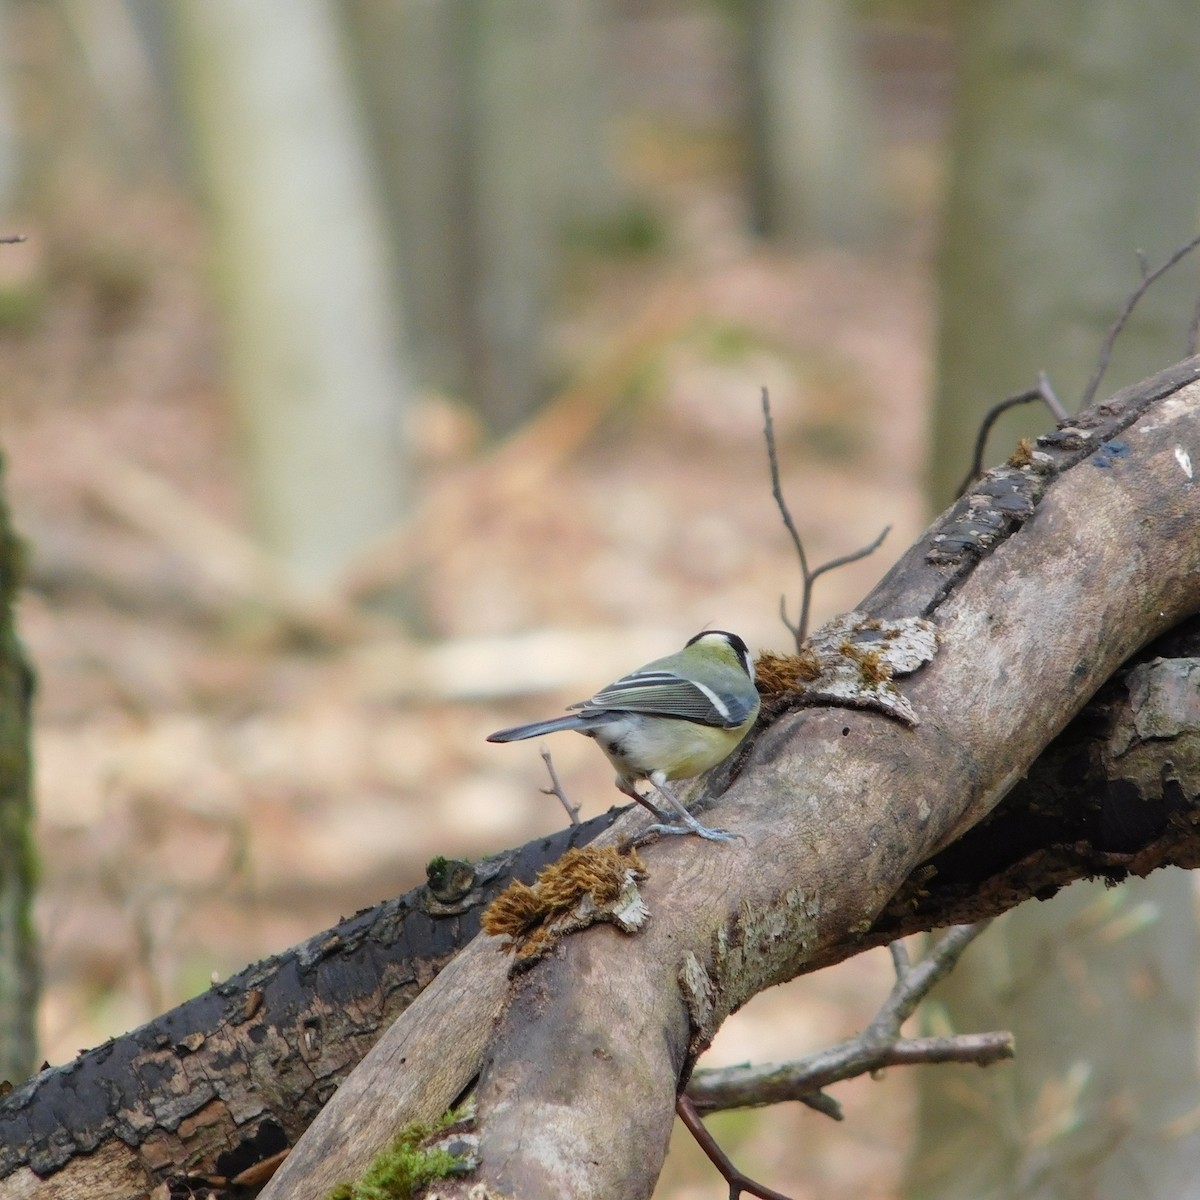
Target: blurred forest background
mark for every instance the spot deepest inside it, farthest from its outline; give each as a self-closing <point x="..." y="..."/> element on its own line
<point x="376" y="374"/>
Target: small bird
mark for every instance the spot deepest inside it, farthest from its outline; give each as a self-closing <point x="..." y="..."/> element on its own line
<point x="671" y="719"/>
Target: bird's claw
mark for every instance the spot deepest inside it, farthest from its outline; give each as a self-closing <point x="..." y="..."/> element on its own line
<point x="664" y="830"/>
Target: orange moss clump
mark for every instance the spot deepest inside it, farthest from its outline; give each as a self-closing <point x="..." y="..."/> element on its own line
<point x="784" y="674"/>
<point x="524" y="914"/>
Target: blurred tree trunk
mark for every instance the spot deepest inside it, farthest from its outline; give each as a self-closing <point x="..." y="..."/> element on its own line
<point x="1076" y="146"/>
<point x="18" y="954"/>
<point x="408" y="59"/>
<point x="1099" y="986"/>
<point x="815" y="147"/>
<point x="9" y="137"/>
<point x="314" y="333"/>
<point x="492" y="123"/>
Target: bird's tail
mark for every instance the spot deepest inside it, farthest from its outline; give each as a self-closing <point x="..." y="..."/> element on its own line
<point x="518" y="733"/>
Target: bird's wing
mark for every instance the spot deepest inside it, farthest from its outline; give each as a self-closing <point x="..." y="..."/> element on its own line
<point x="665" y="694"/>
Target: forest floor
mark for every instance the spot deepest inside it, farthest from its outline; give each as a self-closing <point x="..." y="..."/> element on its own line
<point x="217" y="781"/>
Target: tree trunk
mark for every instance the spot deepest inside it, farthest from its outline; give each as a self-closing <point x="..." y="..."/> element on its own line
<point x="18" y="955"/>
<point x="816" y="170"/>
<point x="313" y="329"/>
<point x="1064" y="112"/>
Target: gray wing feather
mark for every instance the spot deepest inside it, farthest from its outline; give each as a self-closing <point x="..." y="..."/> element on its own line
<point x="665" y="694"/>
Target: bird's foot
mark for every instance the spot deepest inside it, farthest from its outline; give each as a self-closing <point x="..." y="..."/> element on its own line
<point x="691" y="826"/>
<point x="663" y="829"/>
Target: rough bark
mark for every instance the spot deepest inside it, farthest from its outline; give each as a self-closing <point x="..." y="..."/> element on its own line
<point x="1041" y="582"/>
<point x="238" y="1073"/>
<point x="1083" y="810"/>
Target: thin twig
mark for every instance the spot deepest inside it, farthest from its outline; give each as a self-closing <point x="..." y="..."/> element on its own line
<point x="738" y="1183"/>
<point x="913" y="983"/>
<point x="12" y="239"/>
<point x="1149" y="278"/>
<point x="1053" y="403"/>
<point x="556" y="789"/>
<point x="993" y="414"/>
<point x="846" y="559"/>
<point x="799" y="631"/>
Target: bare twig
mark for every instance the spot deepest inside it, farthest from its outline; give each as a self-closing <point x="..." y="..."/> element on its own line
<point x="1043" y="392"/>
<point x="11" y="239"/>
<point x="879" y="1045"/>
<point x="846" y="559"/>
<point x="738" y="1183"/>
<point x="799" y="630"/>
<point x="1053" y="403"/>
<point x="1149" y="278"/>
<point x="556" y="789"/>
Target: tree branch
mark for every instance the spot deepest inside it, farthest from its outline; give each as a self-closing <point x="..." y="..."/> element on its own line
<point x="836" y="807"/>
<point x="262" y="1053"/>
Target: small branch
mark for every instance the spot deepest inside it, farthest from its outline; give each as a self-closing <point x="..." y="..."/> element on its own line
<point x="556" y="789"/>
<point x="879" y="1045"/>
<point x="738" y="1183"/>
<point x="1149" y="278"/>
<point x="799" y="630"/>
<point x="846" y="559"/>
<point x="1053" y="403"/>
<point x="1043" y="392"/>
<point x="12" y="239"/>
<point x="913" y="983"/>
<point x="982" y="1049"/>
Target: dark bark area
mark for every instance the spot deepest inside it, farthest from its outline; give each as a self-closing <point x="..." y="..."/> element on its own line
<point x="236" y="1073"/>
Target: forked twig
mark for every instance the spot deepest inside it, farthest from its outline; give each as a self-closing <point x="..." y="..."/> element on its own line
<point x="799" y="630"/>
<point x="1043" y="392"/>
<point x="879" y="1045"/>
<point x="738" y="1183"/>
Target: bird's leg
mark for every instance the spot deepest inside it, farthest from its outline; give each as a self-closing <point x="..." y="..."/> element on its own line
<point x="644" y="801"/>
<point x="690" y="824"/>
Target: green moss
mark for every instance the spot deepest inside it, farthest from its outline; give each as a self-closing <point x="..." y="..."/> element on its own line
<point x="404" y="1166"/>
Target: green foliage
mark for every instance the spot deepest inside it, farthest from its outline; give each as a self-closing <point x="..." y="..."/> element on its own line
<point x="404" y="1166"/>
<point x="22" y="307"/>
<point x="636" y="230"/>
